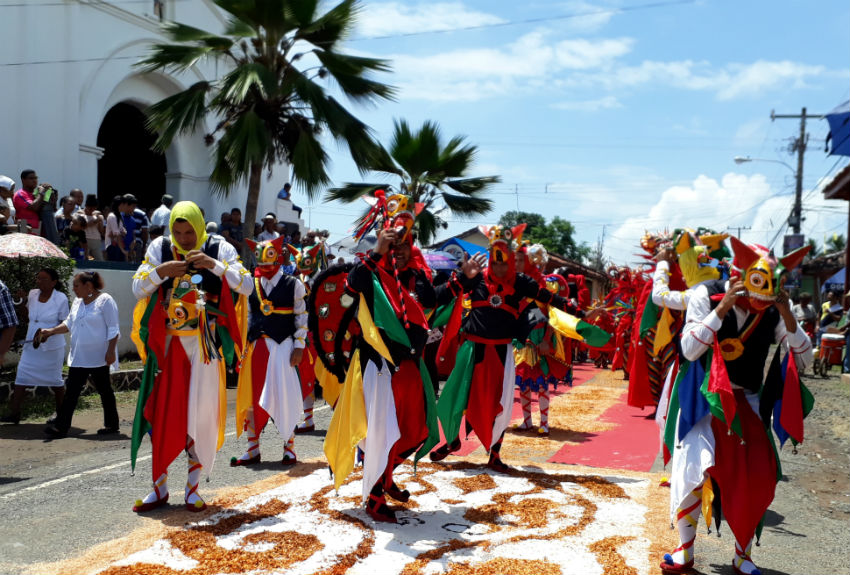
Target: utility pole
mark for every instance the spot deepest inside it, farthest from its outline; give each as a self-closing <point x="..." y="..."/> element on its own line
<point x="800" y="147"/>
<point x="739" y="228"/>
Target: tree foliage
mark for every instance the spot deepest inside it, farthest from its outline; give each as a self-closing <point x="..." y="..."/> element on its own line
<point x="270" y="104"/>
<point x="431" y="172"/>
<point x="557" y="236"/>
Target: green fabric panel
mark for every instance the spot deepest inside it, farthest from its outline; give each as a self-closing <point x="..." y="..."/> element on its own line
<point x="808" y="399"/>
<point x="593" y="336"/>
<point x="775" y="451"/>
<point x="430" y="415"/>
<point x="714" y="403"/>
<point x="455" y="394"/>
<point x="442" y="315"/>
<point x="384" y="315"/>
<point x="228" y="348"/>
<point x="673" y="409"/>
<point x="649" y="319"/>
<point x="141" y="425"/>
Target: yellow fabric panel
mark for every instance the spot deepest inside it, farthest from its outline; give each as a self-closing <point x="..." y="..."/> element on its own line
<point x="348" y="425"/>
<point x="707" y="499"/>
<point x="242" y="319"/>
<point x="564" y="323"/>
<point x="222" y="403"/>
<point x="663" y="335"/>
<point x="244" y="391"/>
<point x="370" y="330"/>
<point x="138" y="314"/>
<point x="331" y="386"/>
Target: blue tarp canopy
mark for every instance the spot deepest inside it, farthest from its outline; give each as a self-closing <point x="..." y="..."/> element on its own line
<point x="835" y="281"/>
<point x="455" y="246"/>
<point x="839" y="130"/>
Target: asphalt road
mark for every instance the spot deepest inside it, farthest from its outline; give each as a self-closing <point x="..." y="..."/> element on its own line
<point x="61" y="497"/>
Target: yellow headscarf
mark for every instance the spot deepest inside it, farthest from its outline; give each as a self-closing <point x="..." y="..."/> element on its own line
<point x="190" y="212"/>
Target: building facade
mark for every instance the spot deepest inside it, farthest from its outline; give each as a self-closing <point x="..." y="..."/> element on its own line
<point x="73" y="102"/>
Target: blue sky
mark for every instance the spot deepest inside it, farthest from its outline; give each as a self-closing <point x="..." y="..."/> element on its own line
<point x="618" y="115"/>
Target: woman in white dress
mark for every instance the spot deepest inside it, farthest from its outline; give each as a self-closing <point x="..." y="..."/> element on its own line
<point x="41" y="364"/>
<point x="93" y="324"/>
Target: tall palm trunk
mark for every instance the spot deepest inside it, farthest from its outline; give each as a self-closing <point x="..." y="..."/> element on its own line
<point x="251" y="208"/>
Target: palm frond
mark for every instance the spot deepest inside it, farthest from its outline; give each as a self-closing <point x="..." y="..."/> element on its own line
<point x="426" y="226"/>
<point x="223" y="177"/>
<point x="269" y="16"/>
<point x="238" y="83"/>
<point x="236" y="28"/>
<point x="352" y="192"/>
<point x="471" y="186"/>
<point x="178" y="114"/>
<point x="467" y="205"/>
<point x="416" y="153"/>
<point x="331" y="27"/>
<point x="349" y="73"/>
<point x="183" y="33"/>
<point x="173" y="57"/>
<point x="456" y="159"/>
<point x="309" y="161"/>
<point x="300" y="13"/>
<point x="246" y="141"/>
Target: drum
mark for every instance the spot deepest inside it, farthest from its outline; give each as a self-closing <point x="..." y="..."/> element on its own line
<point x="831" y="346"/>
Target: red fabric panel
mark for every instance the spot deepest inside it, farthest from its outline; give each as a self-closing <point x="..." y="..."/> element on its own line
<point x="167" y="408"/>
<point x="306" y="369"/>
<point x="485" y="393"/>
<point x="719" y="383"/>
<point x="409" y="398"/>
<point x="744" y="470"/>
<point x="259" y="365"/>
<point x="791" y="417"/>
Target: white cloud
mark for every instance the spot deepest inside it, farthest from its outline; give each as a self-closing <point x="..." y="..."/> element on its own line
<point x="589" y="17"/>
<point x="383" y="19"/>
<point x="475" y="74"/>
<point x="735" y="200"/>
<point x="588" y="54"/>
<point x="761" y="76"/>
<point x="605" y="103"/>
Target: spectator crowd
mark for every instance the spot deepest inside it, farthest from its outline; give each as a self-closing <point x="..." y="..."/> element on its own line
<point x="120" y="231"/>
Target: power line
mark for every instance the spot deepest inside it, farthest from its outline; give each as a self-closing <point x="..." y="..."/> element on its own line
<point x="540" y="20"/>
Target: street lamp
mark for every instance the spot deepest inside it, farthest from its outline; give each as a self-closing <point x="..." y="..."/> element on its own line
<point x="797" y="213"/>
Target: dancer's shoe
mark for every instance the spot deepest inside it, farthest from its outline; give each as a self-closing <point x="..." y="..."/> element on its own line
<point x="378" y="510"/>
<point x="141" y="507"/>
<point x="400" y="495"/>
<point x="669" y="566"/>
<point x="496" y="464"/>
<point x="239" y="462"/>
<point x="445" y="450"/>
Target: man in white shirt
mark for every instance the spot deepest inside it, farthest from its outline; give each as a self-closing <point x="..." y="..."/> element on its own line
<point x="162" y="214"/>
<point x="269" y="229"/>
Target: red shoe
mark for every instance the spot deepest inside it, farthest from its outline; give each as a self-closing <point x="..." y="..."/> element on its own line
<point x="668" y="566"/>
<point x="197" y="506"/>
<point x="140" y="507"/>
<point x="399" y="495"/>
<point x="496" y="464"/>
<point x="377" y="509"/>
<point x="444" y="450"/>
<point x="234" y="462"/>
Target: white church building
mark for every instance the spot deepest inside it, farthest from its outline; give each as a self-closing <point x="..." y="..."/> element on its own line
<point x="72" y="102"/>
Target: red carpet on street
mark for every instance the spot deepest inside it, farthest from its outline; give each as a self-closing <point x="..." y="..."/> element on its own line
<point x="632" y="443"/>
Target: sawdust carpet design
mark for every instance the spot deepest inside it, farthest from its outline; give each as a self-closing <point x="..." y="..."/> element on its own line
<point x="462" y="520"/>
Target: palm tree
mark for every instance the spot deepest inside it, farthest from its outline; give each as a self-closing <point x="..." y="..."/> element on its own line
<point x="271" y="106"/>
<point x="426" y="168"/>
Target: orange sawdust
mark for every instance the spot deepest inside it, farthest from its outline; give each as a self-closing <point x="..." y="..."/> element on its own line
<point x="480" y="482"/>
<point x="612" y="562"/>
<point x="503" y="566"/>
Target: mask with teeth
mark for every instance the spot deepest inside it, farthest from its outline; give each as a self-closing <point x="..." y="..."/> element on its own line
<point x="763" y="273"/>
